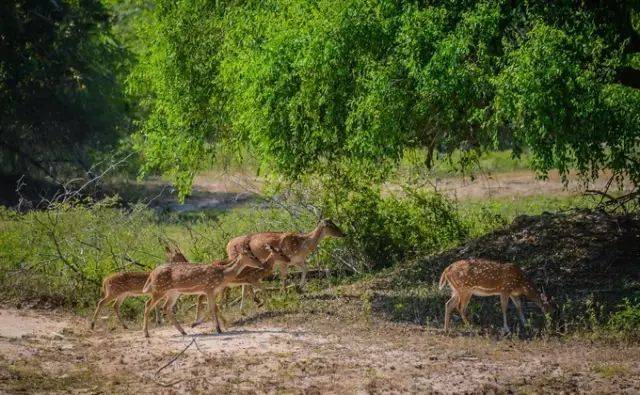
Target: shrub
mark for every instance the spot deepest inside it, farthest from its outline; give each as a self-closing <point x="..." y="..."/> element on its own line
<point x="627" y="319"/>
<point x="389" y="229"/>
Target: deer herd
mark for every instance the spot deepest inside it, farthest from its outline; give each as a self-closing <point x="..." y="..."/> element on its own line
<point x="252" y="258"/>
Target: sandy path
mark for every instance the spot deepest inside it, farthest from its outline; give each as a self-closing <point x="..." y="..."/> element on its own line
<point x="49" y="352"/>
<point x="213" y="190"/>
<point x="512" y="184"/>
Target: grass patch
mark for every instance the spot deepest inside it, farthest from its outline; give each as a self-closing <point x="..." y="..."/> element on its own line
<point x="610" y="370"/>
<point x="470" y="164"/>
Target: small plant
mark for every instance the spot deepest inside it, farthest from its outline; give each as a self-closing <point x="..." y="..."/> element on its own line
<point x="627" y="319"/>
<point x="610" y="370"/>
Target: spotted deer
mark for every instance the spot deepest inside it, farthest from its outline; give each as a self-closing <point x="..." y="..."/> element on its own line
<point x="305" y="244"/>
<point x="119" y="286"/>
<point x="253" y="277"/>
<point x="172" y="280"/>
<point x="484" y="277"/>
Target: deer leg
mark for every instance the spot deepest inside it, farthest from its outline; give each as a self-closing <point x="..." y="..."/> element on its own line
<point x="101" y="303"/>
<point x="221" y="316"/>
<point x="448" y="308"/>
<point x="199" y="307"/>
<point x="148" y="306"/>
<point x="158" y="315"/>
<point x="242" y="298"/>
<point x="283" y="277"/>
<point x="116" y="308"/>
<point x="168" y="310"/>
<point x="213" y="309"/>
<point x="257" y="300"/>
<point x="518" y="303"/>
<point x="303" y="279"/>
<point x="462" y="307"/>
<point x="504" y="303"/>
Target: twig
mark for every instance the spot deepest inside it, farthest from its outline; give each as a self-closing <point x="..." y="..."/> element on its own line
<point x="160" y="383"/>
<point x="176" y="357"/>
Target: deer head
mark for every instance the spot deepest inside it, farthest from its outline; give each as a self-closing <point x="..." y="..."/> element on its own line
<point x="330" y="229"/>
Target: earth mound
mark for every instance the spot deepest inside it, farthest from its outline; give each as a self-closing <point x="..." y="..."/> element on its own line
<point x="579" y="259"/>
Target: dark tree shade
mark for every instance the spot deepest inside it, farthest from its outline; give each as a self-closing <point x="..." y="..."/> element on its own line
<point x="60" y="100"/>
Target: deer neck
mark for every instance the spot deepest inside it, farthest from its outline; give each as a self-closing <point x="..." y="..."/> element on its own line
<point x="312" y="239"/>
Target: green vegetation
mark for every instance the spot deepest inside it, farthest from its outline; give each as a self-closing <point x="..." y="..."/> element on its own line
<point x="611" y="370"/>
<point x="412" y="165"/>
<point x="59" y="256"/>
<point x="319" y="87"/>
<point x="346" y="109"/>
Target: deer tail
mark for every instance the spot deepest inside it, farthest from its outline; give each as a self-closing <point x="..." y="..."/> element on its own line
<point x="443" y="278"/>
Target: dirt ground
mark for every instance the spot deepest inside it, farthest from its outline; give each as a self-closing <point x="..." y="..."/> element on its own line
<point x="54" y="352"/>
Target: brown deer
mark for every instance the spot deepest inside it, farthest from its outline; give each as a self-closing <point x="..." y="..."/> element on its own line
<point x="119" y="286"/>
<point x="484" y="277"/>
<point x="253" y="277"/>
<point x="170" y="281"/>
<point x="305" y="244"/>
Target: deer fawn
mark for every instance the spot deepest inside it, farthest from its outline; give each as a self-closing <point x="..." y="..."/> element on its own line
<point x="483" y="277"/>
<point x="170" y="281"/>
<point x="306" y="244"/>
<point x="119" y="286"/>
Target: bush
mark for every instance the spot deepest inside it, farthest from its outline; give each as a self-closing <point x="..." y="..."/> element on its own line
<point x="627" y="319"/>
<point x="59" y="256"/>
<point x="387" y="230"/>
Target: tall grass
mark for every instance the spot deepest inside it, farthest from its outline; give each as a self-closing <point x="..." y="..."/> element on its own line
<point x="60" y="256"/>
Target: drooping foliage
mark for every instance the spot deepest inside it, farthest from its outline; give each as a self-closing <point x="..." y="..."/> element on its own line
<point x="61" y="98"/>
<point x="311" y="85"/>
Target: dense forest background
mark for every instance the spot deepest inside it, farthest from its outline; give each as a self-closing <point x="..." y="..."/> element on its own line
<point x="316" y="88"/>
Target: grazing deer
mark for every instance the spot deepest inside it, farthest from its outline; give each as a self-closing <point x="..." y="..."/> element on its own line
<point x="170" y="281"/>
<point x="483" y="277"/>
<point x="119" y="286"/>
<point x="305" y="244"/>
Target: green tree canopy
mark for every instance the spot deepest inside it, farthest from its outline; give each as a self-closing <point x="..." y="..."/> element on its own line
<point x="312" y="83"/>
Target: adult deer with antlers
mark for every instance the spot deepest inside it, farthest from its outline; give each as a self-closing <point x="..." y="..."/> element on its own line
<point x="484" y="277"/>
<point x="170" y="281"/>
<point x="296" y="246"/>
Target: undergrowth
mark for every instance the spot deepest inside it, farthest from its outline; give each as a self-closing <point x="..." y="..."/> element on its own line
<point x="59" y="256"/>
